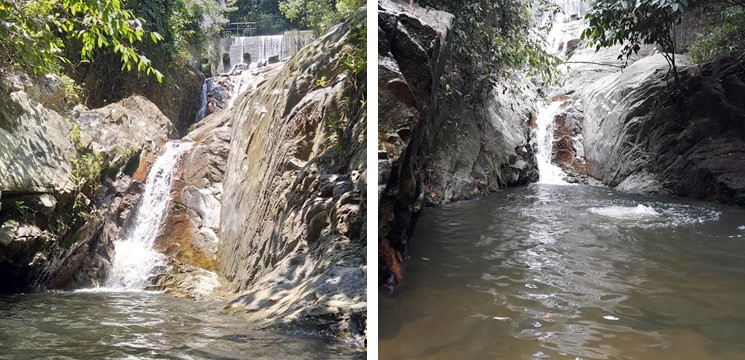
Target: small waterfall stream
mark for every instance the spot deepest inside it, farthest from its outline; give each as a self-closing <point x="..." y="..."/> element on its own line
<point x="543" y="135"/>
<point x="135" y="257"/>
<point x="543" y="142"/>
<point x="206" y="86"/>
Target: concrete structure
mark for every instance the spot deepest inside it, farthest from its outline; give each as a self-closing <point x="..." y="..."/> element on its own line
<point x="251" y="49"/>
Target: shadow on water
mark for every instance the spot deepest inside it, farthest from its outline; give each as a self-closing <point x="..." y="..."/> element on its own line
<point x="551" y="271"/>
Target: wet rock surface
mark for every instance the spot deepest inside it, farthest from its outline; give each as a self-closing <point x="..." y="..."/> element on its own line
<point x="292" y="238"/>
<point x="189" y="232"/>
<point x="412" y="52"/>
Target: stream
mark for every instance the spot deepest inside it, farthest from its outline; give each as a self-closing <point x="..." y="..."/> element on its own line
<point x="571" y="272"/>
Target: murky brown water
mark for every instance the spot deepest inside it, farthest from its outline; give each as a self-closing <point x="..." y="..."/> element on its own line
<point x="571" y="272"/>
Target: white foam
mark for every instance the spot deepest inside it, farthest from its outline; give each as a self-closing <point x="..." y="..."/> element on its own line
<point x="543" y="140"/>
<point x="626" y="212"/>
<point x="135" y="257"/>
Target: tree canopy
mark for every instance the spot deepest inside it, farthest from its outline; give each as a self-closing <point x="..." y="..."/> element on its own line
<point x="34" y="33"/>
<point x="634" y="22"/>
<point x="265" y="13"/>
<point x="319" y="14"/>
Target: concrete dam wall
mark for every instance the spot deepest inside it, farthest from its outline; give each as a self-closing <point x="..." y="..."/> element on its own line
<point x="252" y="49"/>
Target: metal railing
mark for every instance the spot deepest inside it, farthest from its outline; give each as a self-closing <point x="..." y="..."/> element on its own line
<point x="239" y="29"/>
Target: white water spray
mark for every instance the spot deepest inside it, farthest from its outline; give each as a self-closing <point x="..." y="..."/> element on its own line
<point x="543" y="142"/>
<point x="271" y="46"/>
<point x="135" y="257"/>
<point x="203" y="100"/>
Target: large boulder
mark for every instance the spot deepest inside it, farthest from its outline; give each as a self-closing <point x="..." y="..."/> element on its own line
<point x="292" y="239"/>
<point x="35" y="147"/>
<point x="642" y="133"/>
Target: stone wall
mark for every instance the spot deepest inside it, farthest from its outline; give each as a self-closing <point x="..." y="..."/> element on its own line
<point x="228" y="52"/>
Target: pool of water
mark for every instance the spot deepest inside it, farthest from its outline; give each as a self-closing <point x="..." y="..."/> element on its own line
<point x="571" y="272"/>
<point x="142" y="325"/>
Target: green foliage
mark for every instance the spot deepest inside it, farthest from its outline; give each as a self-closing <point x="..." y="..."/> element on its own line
<point x="73" y="91"/>
<point x="492" y="38"/>
<point x="354" y="57"/>
<point x="33" y="33"/>
<point x="322" y="82"/>
<point x="319" y="14"/>
<point x="265" y="13"/>
<point x="21" y="209"/>
<point x="87" y="168"/>
<point x="635" y="22"/>
<point x="184" y="25"/>
<point x="725" y="38"/>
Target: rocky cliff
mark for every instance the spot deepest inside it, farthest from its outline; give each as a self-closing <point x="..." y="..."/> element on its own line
<point x="644" y="134"/>
<point x="66" y="186"/>
<point x="188" y="235"/>
<point x="439" y="139"/>
<point x="633" y="129"/>
<point x="292" y="225"/>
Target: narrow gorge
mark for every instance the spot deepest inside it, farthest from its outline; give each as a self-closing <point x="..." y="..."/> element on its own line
<point x="594" y="215"/>
<point x="234" y="227"/>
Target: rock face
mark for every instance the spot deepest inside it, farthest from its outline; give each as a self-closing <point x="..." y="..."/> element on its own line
<point x="292" y="239"/>
<point x="65" y="186"/>
<point x="177" y="97"/>
<point x="35" y="147"/>
<point x="640" y="137"/>
<point x="412" y="51"/>
<point x="439" y="139"/>
<point x="188" y="235"/>
<point x="480" y="147"/>
<point x="641" y="134"/>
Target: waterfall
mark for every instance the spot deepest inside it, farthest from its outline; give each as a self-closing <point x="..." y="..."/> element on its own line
<point x="135" y="257"/>
<point x="271" y="46"/>
<point x="543" y="142"/>
<point x="203" y="100"/>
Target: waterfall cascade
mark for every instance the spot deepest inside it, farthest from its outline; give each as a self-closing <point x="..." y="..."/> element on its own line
<point x="135" y="257"/>
<point x="543" y="134"/>
<point x="271" y="46"/>
<point x="203" y="99"/>
<point x="543" y="141"/>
